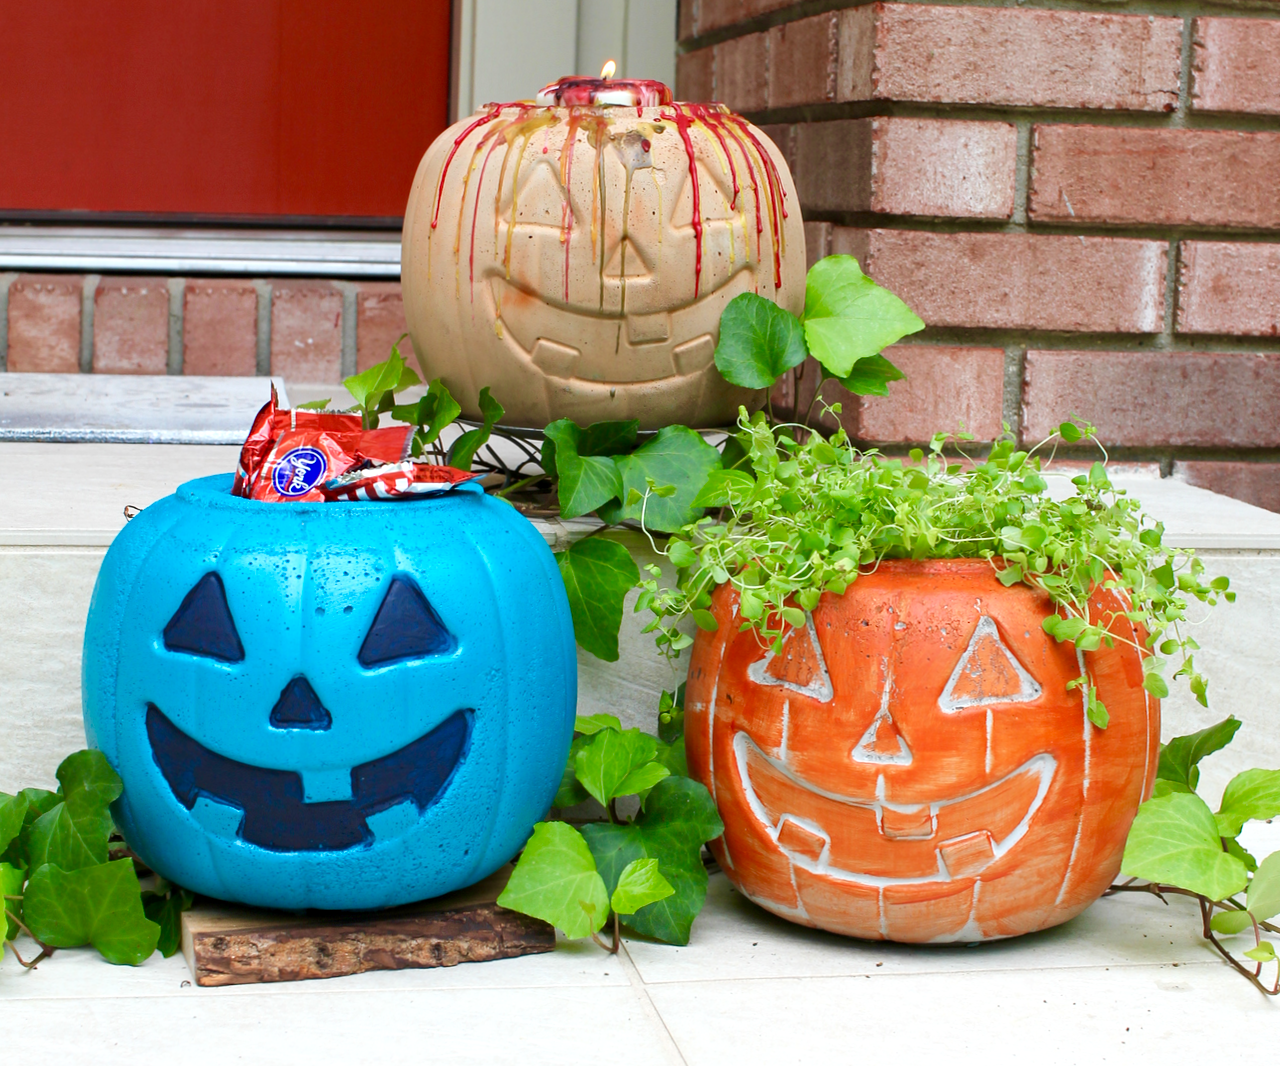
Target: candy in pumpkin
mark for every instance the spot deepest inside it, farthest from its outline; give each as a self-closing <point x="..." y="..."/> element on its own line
<point x="335" y="705"/>
<point x="911" y="764"/>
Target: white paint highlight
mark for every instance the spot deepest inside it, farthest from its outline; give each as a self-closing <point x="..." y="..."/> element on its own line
<point x="866" y="748"/>
<point x="1043" y="766"/>
<point x="1029" y="689"/>
<point x="817" y="689"/>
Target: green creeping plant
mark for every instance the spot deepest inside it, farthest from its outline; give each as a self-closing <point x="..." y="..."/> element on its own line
<point x="644" y="871"/>
<point x="1179" y="844"/>
<point x="67" y="878"/>
<point x="800" y="515"/>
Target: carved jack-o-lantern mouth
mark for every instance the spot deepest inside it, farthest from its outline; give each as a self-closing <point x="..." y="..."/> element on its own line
<point x="610" y="348"/>
<point x="939" y="839"/>
<point x="950" y="838"/>
<point x="268" y="807"/>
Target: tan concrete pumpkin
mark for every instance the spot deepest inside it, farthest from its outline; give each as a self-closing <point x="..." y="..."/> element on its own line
<point x="576" y="259"/>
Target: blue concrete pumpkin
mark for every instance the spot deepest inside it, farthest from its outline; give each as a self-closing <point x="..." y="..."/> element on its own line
<point x="336" y="705"/>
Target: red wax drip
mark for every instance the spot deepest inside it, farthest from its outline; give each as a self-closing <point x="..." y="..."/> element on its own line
<point x="684" y="118"/>
<point x="488" y="116"/>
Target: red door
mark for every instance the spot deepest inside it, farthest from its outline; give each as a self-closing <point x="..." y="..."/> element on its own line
<point x="301" y="108"/>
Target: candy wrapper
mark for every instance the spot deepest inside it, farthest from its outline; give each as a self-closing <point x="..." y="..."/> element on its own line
<point x="395" y="481"/>
<point x="289" y="454"/>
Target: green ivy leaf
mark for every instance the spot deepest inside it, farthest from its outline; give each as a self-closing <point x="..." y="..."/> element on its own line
<point x="597" y="576"/>
<point x="609" y="438"/>
<point x="74" y="833"/>
<point x="639" y="885"/>
<point x="432" y="411"/>
<point x="13" y="812"/>
<point x="675" y="456"/>
<point x="1229" y="923"/>
<point x="871" y="376"/>
<point x="374" y="389"/>
<point x="590" y="724"/>
<point x="759" y="342"/>
<point x="1264" y="952"/>
<point x="1179" y="757"/>
<point x="98" y="905"/>
<point x="585" y="481"/>
<point x="165" y="909"/>
<point x="679" y="816"/>
<point x="1174" y="839"/>
<point x="1253" y="794"/>
<point x="11" y="879"/>
<point x="39" y="802"/>
<point x="610" y="759"/>
<point x="672" y="756"/>
<point x="643" y="778"/>
<point x="463" y="450"/>
<point x="1264" y="889"/>
<point x="848" y="317"/>
<point x="556" y="880"/>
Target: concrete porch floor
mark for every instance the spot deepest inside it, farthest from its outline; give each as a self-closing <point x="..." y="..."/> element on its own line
<point x="1130" y="978"/>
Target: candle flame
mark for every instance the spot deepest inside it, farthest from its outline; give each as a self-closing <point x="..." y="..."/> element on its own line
<point x="606" y="72"/>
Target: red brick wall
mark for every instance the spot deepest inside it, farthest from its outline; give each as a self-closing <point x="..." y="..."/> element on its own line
<point x="305" y="330"/>
<point x="1084" y="205"/>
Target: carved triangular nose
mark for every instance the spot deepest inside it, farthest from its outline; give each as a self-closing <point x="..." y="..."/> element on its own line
<point x="882" y="742"/>
<point x="300" y="708"/>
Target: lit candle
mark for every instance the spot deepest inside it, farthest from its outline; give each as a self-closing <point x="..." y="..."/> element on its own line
<point x="604" y="91"/>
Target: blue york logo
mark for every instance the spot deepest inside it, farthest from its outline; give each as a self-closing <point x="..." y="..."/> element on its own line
<point x="299" y="471"/>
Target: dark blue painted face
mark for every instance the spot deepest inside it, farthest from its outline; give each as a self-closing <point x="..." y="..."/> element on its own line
<point x="274" y="811"/>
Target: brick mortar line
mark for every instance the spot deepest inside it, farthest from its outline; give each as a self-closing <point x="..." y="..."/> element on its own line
<point x="88" y="290"/>
<point x="6" y="279"/>
<point x="1125" y="231"/>
<point x="1066" y="341"/>
<point x="1036" y="114"/>
<point x="1131" y="453"/>
<point x="1022" y="176"/>
<point x="1015" y="360"/>
<point x="347" y="363"/>
<point x="263" y="350"/>
<point x="1165" y="9"/>
<point x="177" y="311"/>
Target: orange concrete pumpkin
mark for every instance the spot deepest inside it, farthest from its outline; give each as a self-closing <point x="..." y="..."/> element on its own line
<point x="910" y="766"/>
<point x="577" y="259"/>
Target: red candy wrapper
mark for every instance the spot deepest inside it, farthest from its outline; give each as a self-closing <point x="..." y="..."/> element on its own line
<point x="395" y="481"/>
<point x="289" y="454"/>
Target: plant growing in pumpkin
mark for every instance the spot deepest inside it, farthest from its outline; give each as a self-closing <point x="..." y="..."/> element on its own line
<point x="903" y="673"/>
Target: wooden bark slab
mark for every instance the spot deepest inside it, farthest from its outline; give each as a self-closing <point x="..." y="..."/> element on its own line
<point x="229" y="945"/>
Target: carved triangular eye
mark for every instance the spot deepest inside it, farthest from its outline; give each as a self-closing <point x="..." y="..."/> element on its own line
<point x="406" y="627"/>
<point x="202" y="625"/>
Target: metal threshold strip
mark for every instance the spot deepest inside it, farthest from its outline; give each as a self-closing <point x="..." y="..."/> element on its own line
<point x="315" y="253"/>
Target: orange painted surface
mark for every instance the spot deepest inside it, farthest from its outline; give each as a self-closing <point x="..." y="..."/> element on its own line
<point x="911" y="765"/>
<point x="241" y="107"/>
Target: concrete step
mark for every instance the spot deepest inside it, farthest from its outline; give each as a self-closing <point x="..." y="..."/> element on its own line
<point x="64" y="504"/>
